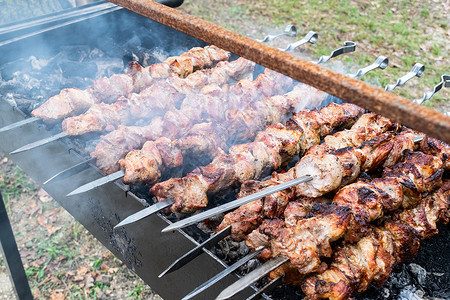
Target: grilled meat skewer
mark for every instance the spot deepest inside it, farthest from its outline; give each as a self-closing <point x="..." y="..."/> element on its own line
<point x="207" y="140"/>
<point x="154" y="100"/>
<point x="354" y="267"/>
<point x="72" y="101"/>
<point x="354" y="207"/>
<point x="272" y="149"/>
<point x="178" y="122"/>
<point x="247" y="217"/>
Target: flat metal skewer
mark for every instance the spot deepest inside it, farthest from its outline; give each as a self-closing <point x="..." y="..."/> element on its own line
<point x="96" y="183"/>
<point x="417" y="70"/>
<point x="145" y="212"/>
<point x="290" y="30"/>
<point x="349" y="46"/>
<point x="381" y="62"/>
<point x="40" y="142"/>
<point x="445" y="82"/>
<point x="20" y="123"/>
<point x="310" y="37"/>
<point x="236" y="203"/>
<point x="252" y="277"/>
<point x="222" y="275"/>
<point x="267" y="288"/>
<point x="75" y="169"/>
<point x="189" y="256"/>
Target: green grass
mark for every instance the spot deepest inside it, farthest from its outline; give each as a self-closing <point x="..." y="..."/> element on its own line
<point x="407" y="32"/>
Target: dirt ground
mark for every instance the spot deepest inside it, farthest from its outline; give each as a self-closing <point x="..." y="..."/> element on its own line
<point x="61" y="258"/>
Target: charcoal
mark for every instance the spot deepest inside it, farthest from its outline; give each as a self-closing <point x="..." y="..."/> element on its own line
<point x="81" y="69"/>
<point x="418" y="272"/>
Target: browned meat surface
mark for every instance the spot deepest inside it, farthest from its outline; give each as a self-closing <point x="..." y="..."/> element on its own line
<point x="271" y="149"/>
<point x="73" y="101"/>
<point x="331" y="168"/>
<point x="66" y="103"/>
<point x="153" y="101"/>
<point x="355" y="266"/>
<point x="435" y="147"/>
<point x="354" y="207"/>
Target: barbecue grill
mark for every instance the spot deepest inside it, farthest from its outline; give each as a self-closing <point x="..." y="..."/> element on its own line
<point x="141" y="245"/>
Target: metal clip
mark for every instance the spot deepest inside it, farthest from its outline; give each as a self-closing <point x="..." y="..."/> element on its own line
<point x="348" y="47"/>
<point x="417" y="70"/>
<point x="381" y="62"/>
<point x="445" y="82"/>
<point x="290" y="30"/>
<point x="310" y="37"/>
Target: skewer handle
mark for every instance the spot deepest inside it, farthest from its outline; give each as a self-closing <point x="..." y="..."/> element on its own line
<point x="290" y="30"/>
<point x="349" y="46"/>
<point x="445" y="82"/>
<point x="381" y="62"/>
<point x="310" y="37"/>
<point x="417" y="70"/>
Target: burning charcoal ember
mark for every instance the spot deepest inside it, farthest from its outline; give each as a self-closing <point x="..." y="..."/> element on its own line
<point x="272" y="149"/>
<point x="73" y="101"/>
<point x="353" y="267"/>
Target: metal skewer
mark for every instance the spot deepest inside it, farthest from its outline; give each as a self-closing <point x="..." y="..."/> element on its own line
<point x="221" y="275"/>
<point x="71" y="170"/>
<point x="19" y="124"/>
<point x="381" y="62"/>
<point x="445" y="82"/>
<point x="349" y="46"/>
<point x="96" y="183"/>
<point x="40" y="142"/>
<point x="252" y="277"/>
<point x="290" y="30"/>
<point x="213" y="240"/>
<point x="310" y="37"/>
<point x="236" y="203"/>
<point x="417" y="70"/>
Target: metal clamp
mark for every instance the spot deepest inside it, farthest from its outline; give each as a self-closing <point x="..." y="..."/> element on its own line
<point x="290" y="30"/>
<point x="310" y="37"/>
<point x="381" y="62"/>
<point x="445" y="82"/>
<point x="348" y="47"/>
<point x="417" y="70"/>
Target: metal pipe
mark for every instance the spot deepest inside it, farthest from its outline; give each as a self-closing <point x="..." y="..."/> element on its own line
<point x="390" y="105"/>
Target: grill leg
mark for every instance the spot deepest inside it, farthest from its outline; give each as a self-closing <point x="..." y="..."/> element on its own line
<point x="12" y="256"/>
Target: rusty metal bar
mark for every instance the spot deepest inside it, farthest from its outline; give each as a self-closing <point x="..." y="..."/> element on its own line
<point x="388" y="104"/>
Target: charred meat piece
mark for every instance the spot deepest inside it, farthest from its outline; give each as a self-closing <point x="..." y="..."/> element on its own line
<point x="73" y="101"/>
<point x="271" y="149"/>
<point x="354" y="207"/>
<point x="355" y="266"/>
<point x="153" y="101"/>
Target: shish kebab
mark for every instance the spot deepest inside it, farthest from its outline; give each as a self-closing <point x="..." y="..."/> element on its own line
<point x="112" y="140"/>
<point x="350" y="46"/>
<point x="146" y="104"/>
<point x="248" y="216"/>
<point x="72" y="101"/>
<point x="240" y="125"/>
<point x="301" y="209"/>
<point x="194" y="219"/>
<point x="176" y="122"/>
<point x="354" y="207"/>
<point x="371" y="260"/>
<point x="165" y="202"/>
<point x="179" y="65"/>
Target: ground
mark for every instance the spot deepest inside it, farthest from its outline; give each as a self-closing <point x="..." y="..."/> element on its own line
<point x="64" y="261"/>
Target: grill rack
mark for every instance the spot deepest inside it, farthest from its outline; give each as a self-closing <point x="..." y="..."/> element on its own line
<point x="29" y="163"/>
